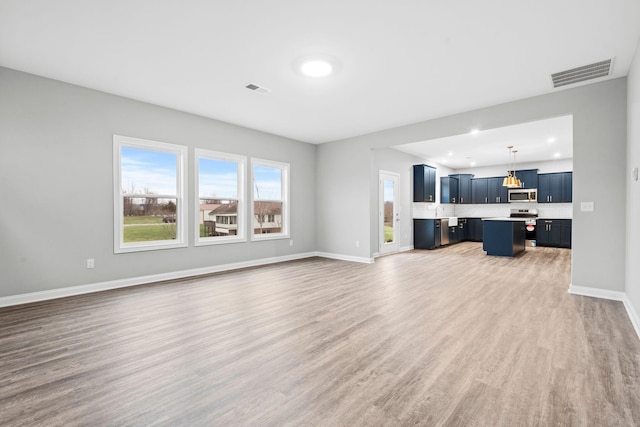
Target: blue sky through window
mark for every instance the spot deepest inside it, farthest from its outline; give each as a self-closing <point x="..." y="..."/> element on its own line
<point x="218" y="179"/>
<point x="388" y="191"/>
<point x="148" y="170"/>
<point x="267" y="183"/>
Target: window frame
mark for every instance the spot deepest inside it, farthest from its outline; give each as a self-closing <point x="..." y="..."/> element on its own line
<point x="241" y="161"/>
<point x="181" y="152"/>
<point x="284" y="188"/>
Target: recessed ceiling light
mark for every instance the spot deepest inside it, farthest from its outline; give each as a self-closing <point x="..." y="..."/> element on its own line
<point x="551" y="140"/>
<point x="316" y="68"/>
<point x="556" y="155"/>
<point x="474" y="131"/>
<point x="450" y="153"/>
<point x="473" y="163"/>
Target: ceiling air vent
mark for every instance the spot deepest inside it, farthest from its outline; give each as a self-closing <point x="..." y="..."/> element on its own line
<point x="258" y="89"/>
<point x="580" y="74"/>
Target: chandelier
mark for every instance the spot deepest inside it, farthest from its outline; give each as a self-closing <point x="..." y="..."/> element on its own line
<point x="511" y="181"/>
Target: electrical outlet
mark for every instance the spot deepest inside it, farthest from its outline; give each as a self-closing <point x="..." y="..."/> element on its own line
<point x="91" y="263"/>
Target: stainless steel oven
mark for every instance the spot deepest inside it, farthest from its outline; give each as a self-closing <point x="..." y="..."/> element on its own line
<point x="530" y="222"/>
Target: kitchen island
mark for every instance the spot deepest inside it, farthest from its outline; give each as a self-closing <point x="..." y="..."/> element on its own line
<point x="503" y="236"/>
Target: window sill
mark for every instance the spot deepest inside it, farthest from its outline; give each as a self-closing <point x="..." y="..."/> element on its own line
<point x="269" y="236"/>
<point x="144" y="247"/>
<point x="203" y="241"/>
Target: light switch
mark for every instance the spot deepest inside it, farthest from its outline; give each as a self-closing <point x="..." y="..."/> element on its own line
<point x="634" y="174"/>
<point x="586" y="206"/>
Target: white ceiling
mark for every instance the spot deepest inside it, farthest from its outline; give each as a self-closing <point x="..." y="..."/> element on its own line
<point x="398" y="62"/>
<point x="539" y="141"/>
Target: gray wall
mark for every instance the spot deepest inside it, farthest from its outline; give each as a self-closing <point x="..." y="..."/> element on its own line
<point x="599" y="119"/>
<point x="401" y="163"/>
<point x="56" y="184"/>
<point x="633" y="187"/>
<point x="56" y="181"/>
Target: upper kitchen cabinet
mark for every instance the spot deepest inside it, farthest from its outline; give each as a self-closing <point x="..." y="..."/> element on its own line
<point x="497" y="193"/>
<point x="424" y="183"/>
<point x="555" y="187"/>
<point x="567" y="187"/>
<point x="449" y="189"/>
<point x="456" y="189"/>
<point x="528" y="177"/>
<point x="464" y="188"/>
<point x="479" y="191"/>
<point x="489" y="190"/>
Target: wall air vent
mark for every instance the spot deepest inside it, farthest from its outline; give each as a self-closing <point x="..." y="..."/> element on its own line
<point x="258" y="89"/>
<point x="580" y="74"/>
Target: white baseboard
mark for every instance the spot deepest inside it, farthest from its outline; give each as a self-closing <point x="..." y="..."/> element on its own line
<point x="345" y="257"/>
<point x="633" y="314"/>
<point x="402" y="249"/>
<point x="134" y="281"/>
<point x="596" y="293"/>
<point x="611" y="295"/>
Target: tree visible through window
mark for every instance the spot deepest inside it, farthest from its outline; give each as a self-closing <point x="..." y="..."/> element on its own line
<point x="149" y="202"/>
<point x="270" y="198"/>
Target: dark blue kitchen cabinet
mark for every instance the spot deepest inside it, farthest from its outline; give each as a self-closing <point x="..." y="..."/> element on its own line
<point x="424" y="183"/>
<point x="449" y="189"/>
<point x="463" y="229"/>
<point x="479" y="191"/>
<point x="555" y="187"/>
<point x="528" y="178"/>
<point x="426" y="233"/>
<point x="489" y="190"/>
<point x="454" y="235"/>
<point x="565" y="233"/>
<point x="497" y="193"/>
<point x="464" y="187"/>
<point x="554" y="233"/>
<point x="474" y="229"/>
<point x="456" y="189"/>
<point x="503" y="238"/>
<point x="567" y="187"/>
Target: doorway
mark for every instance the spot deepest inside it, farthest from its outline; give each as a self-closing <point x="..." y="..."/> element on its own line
<point x="389" y="215"/>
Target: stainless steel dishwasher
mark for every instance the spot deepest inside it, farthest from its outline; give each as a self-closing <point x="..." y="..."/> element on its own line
<point x="444" y="231"/>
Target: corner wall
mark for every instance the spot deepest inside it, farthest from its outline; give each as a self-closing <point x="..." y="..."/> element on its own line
<point x="632" y="286"/>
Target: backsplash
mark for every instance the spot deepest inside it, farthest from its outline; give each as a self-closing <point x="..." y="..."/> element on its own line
<point x="431" y="210"/>
<point x="545" y="210"/>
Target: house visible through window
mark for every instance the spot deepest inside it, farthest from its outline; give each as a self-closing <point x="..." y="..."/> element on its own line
<point x="220" y="179"/>
<point x="149" y="195"/>
<point x="270" y="199"/>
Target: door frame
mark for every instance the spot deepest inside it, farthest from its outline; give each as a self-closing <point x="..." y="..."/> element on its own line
<point x="383" y="247"/>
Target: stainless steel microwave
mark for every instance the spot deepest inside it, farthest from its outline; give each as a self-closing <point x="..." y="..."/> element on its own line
<point x="519" y="195"/>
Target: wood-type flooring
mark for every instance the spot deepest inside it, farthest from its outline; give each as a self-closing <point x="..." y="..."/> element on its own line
<point x="449" y="337"/>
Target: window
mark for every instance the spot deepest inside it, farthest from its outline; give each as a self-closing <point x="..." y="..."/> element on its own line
<point x="149" y="195"/>
<point x="220" y="184"/>
<point x="270" y="207"/>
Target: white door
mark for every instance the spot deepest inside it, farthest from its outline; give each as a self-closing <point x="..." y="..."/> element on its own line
<point x="388" y="212"/>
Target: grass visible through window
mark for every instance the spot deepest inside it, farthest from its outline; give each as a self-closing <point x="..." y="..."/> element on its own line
<point x="147" y="228"/>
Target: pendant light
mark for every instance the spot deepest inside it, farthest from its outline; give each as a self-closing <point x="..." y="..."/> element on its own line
<point x="511" y="181"/>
